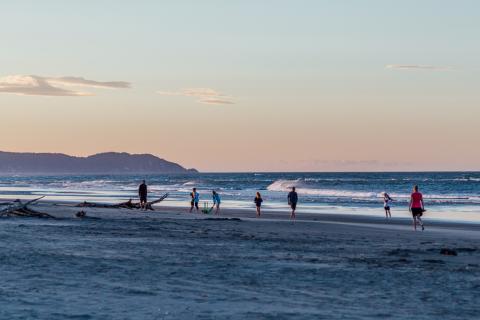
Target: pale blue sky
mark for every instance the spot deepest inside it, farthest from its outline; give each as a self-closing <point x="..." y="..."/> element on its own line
<point x="308" y="80"/>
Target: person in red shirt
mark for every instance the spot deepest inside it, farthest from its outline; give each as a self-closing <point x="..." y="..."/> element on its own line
<point x="417" y="208"/>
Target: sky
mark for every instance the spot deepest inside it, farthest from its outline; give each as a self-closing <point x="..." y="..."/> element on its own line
<point x="246" y="85"/>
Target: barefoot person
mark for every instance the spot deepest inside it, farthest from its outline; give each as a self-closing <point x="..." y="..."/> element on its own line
<point x="417" y="208"/>
<point x="258" y="203"/>
<point x="142" y="194"/>
<point x="386" y="204"/>
<point x="195" y="199"/>
<point x="216" y="201"/>
<point x="292" y="201"/>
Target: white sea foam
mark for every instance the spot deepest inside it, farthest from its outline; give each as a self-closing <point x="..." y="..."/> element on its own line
<point x="313" y="189"/>
<point x="284" y="185"/>
<point x="335" y="179"/>
<point x="301" y="188"/>
<point x="164" y="187"/>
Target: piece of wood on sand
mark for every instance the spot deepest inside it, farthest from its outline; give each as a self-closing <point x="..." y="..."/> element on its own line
<point x="123" y="205"/>
<point x="21" y="209"/>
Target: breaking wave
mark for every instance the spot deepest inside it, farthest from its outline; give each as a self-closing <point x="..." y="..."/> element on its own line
<point x="302" y="188"/>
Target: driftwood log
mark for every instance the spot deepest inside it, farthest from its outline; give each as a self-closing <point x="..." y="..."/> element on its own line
<point x="21" y="209"/>
<point x="122" y="205"/>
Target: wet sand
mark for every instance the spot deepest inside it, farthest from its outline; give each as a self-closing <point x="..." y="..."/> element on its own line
<point x="66" y="210"/>
<point x="169" y="264"/>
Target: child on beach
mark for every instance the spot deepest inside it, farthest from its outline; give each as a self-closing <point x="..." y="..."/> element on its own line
<point x="292" y="201"/>
<point x="195" y="199"/>
<point x="386" y="204"/>
<point x="417" y="208"/>
<point x="258" y="203"/>
<point x="216" y="201"/>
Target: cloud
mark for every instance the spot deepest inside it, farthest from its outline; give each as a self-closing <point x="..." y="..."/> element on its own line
<point x="203" y="95"/>
<point x="216" y="101"/>
<point x="417" y="67"/>
<point x="53" y="86"/>
<point x="78" y="81"/>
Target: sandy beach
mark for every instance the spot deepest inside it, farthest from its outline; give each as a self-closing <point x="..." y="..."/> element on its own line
<point x="176" y="265"/>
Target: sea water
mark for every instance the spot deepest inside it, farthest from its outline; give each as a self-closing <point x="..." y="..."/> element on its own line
<point x="448" y="195"/>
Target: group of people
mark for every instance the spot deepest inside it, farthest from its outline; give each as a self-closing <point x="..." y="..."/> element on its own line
<point x="292" y="202"/>
<point x="416" y="205"/>
<point x="195" y="199"/>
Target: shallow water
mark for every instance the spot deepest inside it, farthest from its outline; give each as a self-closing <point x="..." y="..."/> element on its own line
<point x="182" y="269"/>
<point x="448" y="195"/>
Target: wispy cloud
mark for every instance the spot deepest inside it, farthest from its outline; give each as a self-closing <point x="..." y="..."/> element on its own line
<point x="203" y="95"/>
<point x="417" y="67"/>
<point x="53" y="86"/>
<point x="78" y="81"/>
<point x="216" y="101"/>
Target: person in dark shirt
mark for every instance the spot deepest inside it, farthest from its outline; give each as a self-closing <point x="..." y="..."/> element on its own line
<point x="142" y="193"/>
<point x="292" y="201"/>
<point x="258" y="203"/>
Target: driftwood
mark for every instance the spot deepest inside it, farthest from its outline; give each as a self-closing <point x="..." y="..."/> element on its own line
<point x="81" y="214"/>
<point x="122" y="205"/>
<point x="21" y="209"/>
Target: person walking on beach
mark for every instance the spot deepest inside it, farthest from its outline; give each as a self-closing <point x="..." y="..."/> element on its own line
<point x="258" y="203"/>
<point x="292" y="201"/>
<point x="142" y="194"/>
<point x="195" y="199"/>
<point x="216" y="201"/>
<point x="386" y="204"/>
<point x="417" y="208"/>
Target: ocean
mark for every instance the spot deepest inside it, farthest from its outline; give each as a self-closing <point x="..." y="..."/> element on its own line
<point x="448" y="195"/>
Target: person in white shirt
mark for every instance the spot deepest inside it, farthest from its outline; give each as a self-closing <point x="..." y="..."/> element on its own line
<point x="386" y="205"/>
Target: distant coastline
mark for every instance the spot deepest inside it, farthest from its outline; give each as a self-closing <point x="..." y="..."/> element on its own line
<point x="17" y="163"/>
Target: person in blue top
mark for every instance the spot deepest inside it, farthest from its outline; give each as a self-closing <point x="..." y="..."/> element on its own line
<point x="216" y="201"/>
<point x="195" y="199"/>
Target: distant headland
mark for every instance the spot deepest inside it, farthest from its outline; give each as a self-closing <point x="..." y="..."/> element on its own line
<point x="101" y="163"/>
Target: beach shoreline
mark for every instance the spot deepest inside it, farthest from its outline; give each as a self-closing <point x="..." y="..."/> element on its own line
<point x="66" y="210"/>
<point x="448" y="196"/>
